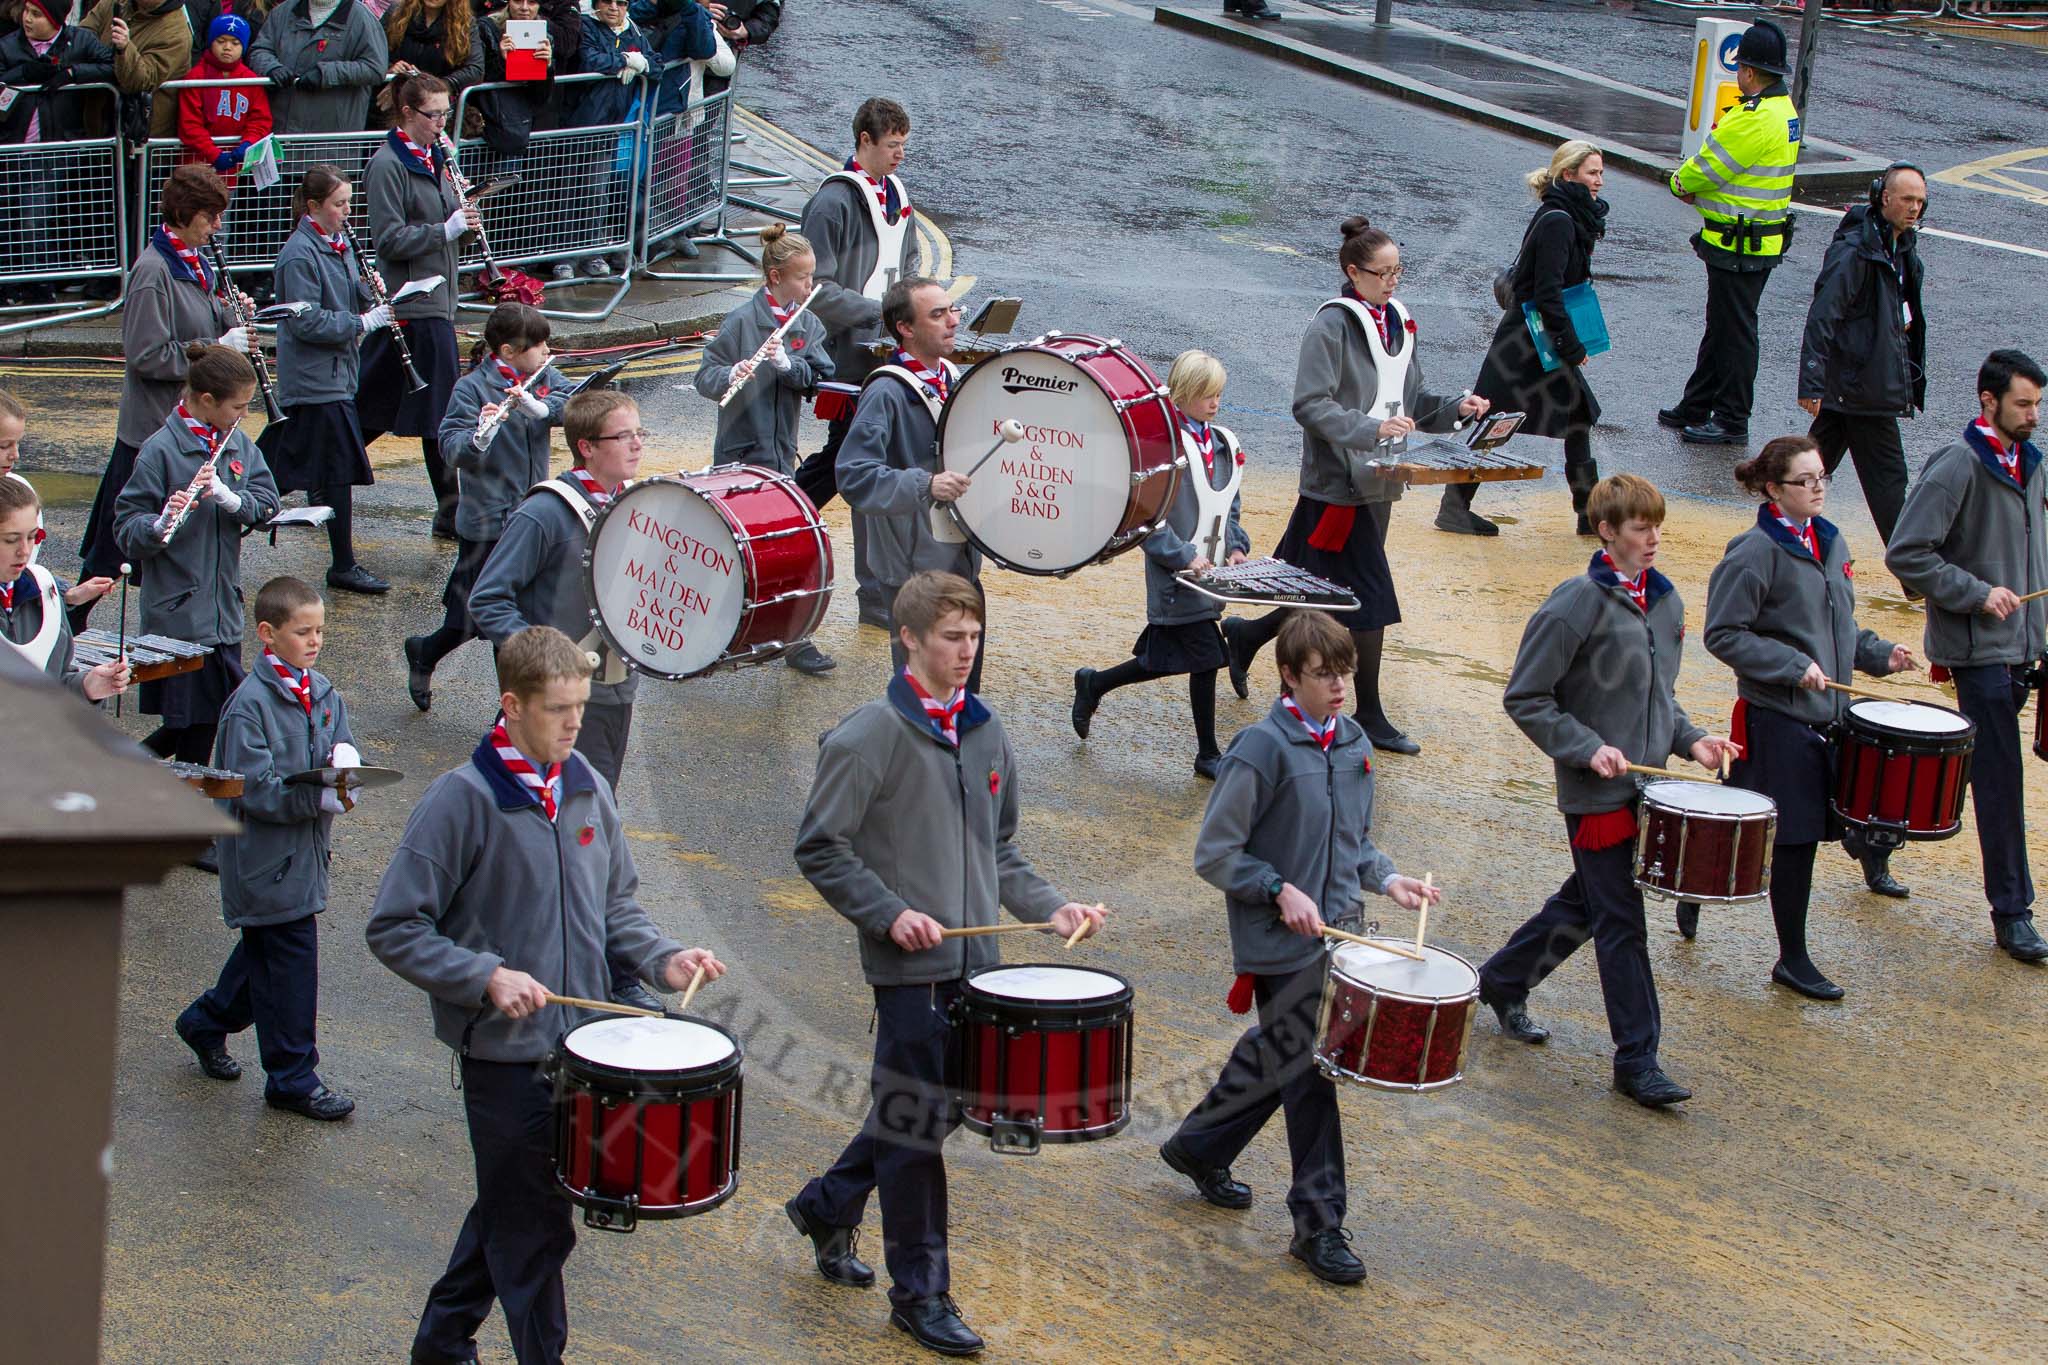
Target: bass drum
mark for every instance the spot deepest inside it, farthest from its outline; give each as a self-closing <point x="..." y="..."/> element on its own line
<point x="1096" y="469"/>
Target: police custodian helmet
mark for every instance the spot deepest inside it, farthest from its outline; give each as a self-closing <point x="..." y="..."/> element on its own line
<point x="1763" y="47"/>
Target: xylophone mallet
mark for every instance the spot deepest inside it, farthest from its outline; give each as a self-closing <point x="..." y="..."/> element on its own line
<point x="121" y="654"/>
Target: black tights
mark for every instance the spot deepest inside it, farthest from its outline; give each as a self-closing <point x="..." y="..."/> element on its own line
<point x="1791" y="889"/>
<point x="1581" y="472"/>
<point x="186" y="743"/>
<point x="1201" y="698"/>
<point x="341" y="530"/>
<point x="1252" y="636"/>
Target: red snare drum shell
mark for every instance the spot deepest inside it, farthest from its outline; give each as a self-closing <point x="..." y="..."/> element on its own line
<point x="788" y="554"/>
<point x="1409" y="1039"/>
<point x="1718" y="856"/>
<point x="1059" y="1058"/>
<point x="1911" y="780"/>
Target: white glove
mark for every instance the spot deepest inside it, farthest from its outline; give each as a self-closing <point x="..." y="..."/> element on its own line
<point x="532" y="406"/>
<point x="336" y="802"/>
<point x="457" y="224"/>
<point x="236" y="339"/>
<point x="230" y="501"/>
<point x="380" y="316"/>
<point x="345" y="755"/>
<point x="636" y="62"/>
<point x="626" y="72"/>
<point x="779" y="358"/>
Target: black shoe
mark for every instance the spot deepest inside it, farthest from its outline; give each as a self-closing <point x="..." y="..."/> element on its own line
<point x="318" y="1103"/>
<point x="356" y="578"/>
<point x="1213" y="1183"/>
<point x="871" y="615"/>
<point x="419" y="674"/>
<point x="1652" y="1089"/>
<point x="1514" y="1018"/>
<point x="209" y="861"/>
<point x="2019" y="938"/>
<point x="1085" y="700"/>
<point x="834" y="1248"/>
<point x="1877" y="875"/>
<point x="627" y="991"/>
<point x="1813" y="987"/>
<point x="1247" y="10"/>
<point x="1673" y="418"/>
<point x="1688" y="919"/>
<point x="1327" y="1256"/>
<point x="1586" y="527"/>
<point x="1205" y="765"/>
<point x="38" y="295"/>
<point x="936" y="1325"/>
<point x="1463" y="522"/>
<point x="1240" y="660"/>
<point x="444" y="529"/>
<point x="213" y="1057"/>
<point x="1392" y="741"/>
<point x="421" y="1356"/>
<point x="1714" y="432"/>
<point x="808" y="659"/>
<point x="687" y="249"/>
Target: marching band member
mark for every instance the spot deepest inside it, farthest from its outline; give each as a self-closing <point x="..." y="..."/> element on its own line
<point x="888" y="780"/>
<point x="1180" y="634"/>
<point x="889" y="461"/>
<point x="417" y="221"/>
<point x="320" y="450"/>
<point x="171" y="303"/>
<point x="283" y="719"/>
<point x="1781" y="612"/>
<point x="1357" y="357"/>
<point x="199" y="482"/>
<point x="1973" y="536"/>
<point x="32" y="620"/>
<point x="860" y="225"/>
<point x="514" y="879"/>
<point x="1593" y="688"/>
<point x="492" y="479"/>
<point x="1287" y="840"/>
<point x="13" y="428"/>
<point x="759" y="426"/>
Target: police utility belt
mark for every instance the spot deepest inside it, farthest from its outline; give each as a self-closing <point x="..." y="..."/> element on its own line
<point x="1746" y="234"/>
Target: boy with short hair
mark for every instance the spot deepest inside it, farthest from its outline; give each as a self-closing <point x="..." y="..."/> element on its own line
<point x="514" y="879"/>
<point x="283" y="719"/>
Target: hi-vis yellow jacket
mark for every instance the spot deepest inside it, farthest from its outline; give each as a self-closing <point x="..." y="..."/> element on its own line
<point x="1741" y="180"/>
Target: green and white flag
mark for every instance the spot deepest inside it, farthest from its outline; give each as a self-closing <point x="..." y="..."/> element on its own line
<point x="260" y="165"/>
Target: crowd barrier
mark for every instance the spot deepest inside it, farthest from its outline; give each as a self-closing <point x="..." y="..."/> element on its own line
<point x="61" y="222"/>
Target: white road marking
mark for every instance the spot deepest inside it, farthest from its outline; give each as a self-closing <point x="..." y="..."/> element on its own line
<point x="2033" y="251"/>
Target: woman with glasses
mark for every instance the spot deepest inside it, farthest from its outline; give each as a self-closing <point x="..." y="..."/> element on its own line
<point x="1781" y="612"/>
<point x="417" y="221"/>
<point x="1357" y="359"/>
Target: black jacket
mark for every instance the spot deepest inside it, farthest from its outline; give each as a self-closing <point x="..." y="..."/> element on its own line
<point x="1557" y="253"/>
<point x="511" y="116"/>
<point x="1860" y="356"/>
<point x="74" y="58"/>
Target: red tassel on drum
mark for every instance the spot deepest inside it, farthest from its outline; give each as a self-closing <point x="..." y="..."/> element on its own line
<point x="1334" y="529"/>
<point x="1937" y="674"/>
<point x="1240" y="997"/>
<point x="1738" y="724"/>
<point x="1605" y="830"/>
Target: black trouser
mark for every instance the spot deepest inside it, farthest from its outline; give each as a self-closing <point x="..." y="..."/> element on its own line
<point x="818" y="476"/>
<point x="900" y="1150"/>
<point x="186" y="743"/>
<point x="1991" y="696"/>
<point x="1880" y="456"/>
<point x="271" y="980"/>
<point x="1201" y="698"/>
<point x="602" y="740"/>
<point x="1273" y="1067"/>
<point x="1598" y="901"/>
<point x="1723" y="382"/>
<point x="518" y="1233"/>
<point x="899" y="656"/>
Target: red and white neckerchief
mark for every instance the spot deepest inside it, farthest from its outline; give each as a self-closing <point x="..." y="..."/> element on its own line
<point x="884" y="189"/>
<point x="6" y="597"/>
<point x="421" y="154"/>
<point x="513" y="379"/>
<point x="592" y="489"/>
<point x="934" y="380"/>
<point x="1205" y="442"/>
<point x="516" y="764"/>
<point x="1808" y="537"/>
<point x="945" y="715"/>
<point x="209" y="436"/>
<point x="782" y="314"/>
<point x="299" y="684"/>
<point x="1638" y="587"/>
<point x="338" y="243"/>
<point x="1322" y="734"/>
<point x="1379" y="315"/>
<point x="2009" y="458"/>
<point x="190" y="256"/>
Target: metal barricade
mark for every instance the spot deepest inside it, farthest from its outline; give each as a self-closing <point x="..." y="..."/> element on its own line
<point x="63" y="220"/>
<point x="689" y="193"/>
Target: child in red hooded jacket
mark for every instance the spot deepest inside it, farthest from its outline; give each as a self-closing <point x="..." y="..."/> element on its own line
<point x="241" y="112"/>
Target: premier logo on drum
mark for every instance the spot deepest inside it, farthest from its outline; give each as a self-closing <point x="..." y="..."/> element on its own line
<point x="1016" y="381"/>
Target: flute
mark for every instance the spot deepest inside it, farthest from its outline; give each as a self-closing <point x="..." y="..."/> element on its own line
<point x="248" y="325"/>
<point x="487" y="428"/>
<point x="761" y="352"/>
<point x="382" y="296"/>
<point x="170" y="523"/>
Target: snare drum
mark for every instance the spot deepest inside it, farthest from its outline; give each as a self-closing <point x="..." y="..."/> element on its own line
<point x="647" y="1119"/>
<point x="1045" y="1055"/>
<point x="835" y="401"/>
<point x="1697" y="841"/>
<point x="1096" y="469"/>
<point x="732" y="566"/>
<point x="1903" y="767"/>
<point x="1393" y="1023"/>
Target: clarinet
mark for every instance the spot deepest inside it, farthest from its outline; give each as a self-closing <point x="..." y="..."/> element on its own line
<point x="248" y="325"/>
<point x="467" y="193"/>
<point x="377" y="292"/>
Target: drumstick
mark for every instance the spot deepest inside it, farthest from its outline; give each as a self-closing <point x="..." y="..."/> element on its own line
<point x="1858" y="692"/>
<point x="1422" y="915"/>
<point x="1660" y="772"/>
<point x="122" y="652"/>
<point x="1396" y="949"/>
<point x="2030" y="596"/>
<point x="973" y="931"/>
<point x="1009" y="433"/>
<point x="602" y="1006"/>
<point x="1080" y="929"/>
<point x="696" y="980"/>
<point x="1724" y="764"/>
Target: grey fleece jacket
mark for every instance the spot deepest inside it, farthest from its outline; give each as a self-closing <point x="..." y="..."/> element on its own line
<point x="408" y="213"/>
<point x="1168" y="550"/>
<point x="899" y="819"/>
<point x="534" y="577"/>
<point x="760" y="425"/>
<point x="1772" y="612"/>
<point x="275" y="870"/>
<point x="317" y="349"/>
<point x="1285" y="808"/>
<point x="1965" y="530"/>
<point x="482" y="880"/>
<point x="836" y="224"/>
<point x="493" y="482"/>
<point x="345" y="57"/>
<point x="885" y="469"/>
<point x="159" y="318"/>
<point x="1593" y="670"/>
<point x="1334" y="384"/>
<point x="33" y="604"/>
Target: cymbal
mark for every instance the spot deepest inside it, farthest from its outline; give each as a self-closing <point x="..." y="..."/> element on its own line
<point x="349" y="779"/>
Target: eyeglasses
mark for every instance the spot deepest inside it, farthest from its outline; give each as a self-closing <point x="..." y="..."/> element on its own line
<point x="640" y="434"/>
<point x="1326" y="675"/>
<point x="1391" y="277"/>
<point x="434" y="115"/>
<point x="1812" y="483"/>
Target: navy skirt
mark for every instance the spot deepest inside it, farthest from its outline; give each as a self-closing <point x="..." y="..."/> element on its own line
<point x="320" y="445"/>
<point x="1793" y="764"/>
<point x="1360" y="566"/>
<point x="1190" y="647"/>
<point x="196" y="698"/>
<point x="385" y="402"/>
<point x="98" y="553"/>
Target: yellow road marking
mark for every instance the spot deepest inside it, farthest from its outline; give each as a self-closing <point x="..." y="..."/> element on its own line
<point x="1985" y="175"/>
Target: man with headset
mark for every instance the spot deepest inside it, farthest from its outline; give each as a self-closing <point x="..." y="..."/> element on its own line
<point x="1862" y="365"/>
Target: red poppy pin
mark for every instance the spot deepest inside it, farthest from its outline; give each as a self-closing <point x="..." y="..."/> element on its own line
<point x="1411" y="327"/>
<point x="995" y="782"/>
<point x="320" y="45"/>
<point x="1368" y="767"/>
<point x="797" y="345"/>
<point x="41" y="535"/>
<point x="1240" y="457"/>
<point x="235" y="468"/>
<point x="585" y="835"/>
<point x="1849" y="570"/>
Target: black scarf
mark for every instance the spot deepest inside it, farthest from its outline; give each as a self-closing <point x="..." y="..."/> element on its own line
<point x="1589" y="215"/>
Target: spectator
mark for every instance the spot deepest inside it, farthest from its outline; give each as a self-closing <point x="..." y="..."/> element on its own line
<point x="434" y="38"/>
<point x="324" y="57"/>
<point x="153" y="44"/>
<point x="238" y="113"/>
<point x="511" y="116"/>
<point x="38" y="60"/>
<point x="201" y="14"/>
<point x="690" y="50"/>
<point x="613" y="45"/>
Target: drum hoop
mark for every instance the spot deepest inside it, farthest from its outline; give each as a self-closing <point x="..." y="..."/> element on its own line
<point x="750" y="606"/>
<point x="696" y="1082"/>
<point x="1404" y="997"/>
<point x="983" y="1127"/>
<point x="618" y="647"/>
<point x="998" y="1008"/>
<point x="1862" y="726"/>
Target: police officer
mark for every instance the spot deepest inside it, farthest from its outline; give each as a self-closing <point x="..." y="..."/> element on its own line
<point x="1740" y="180"/>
